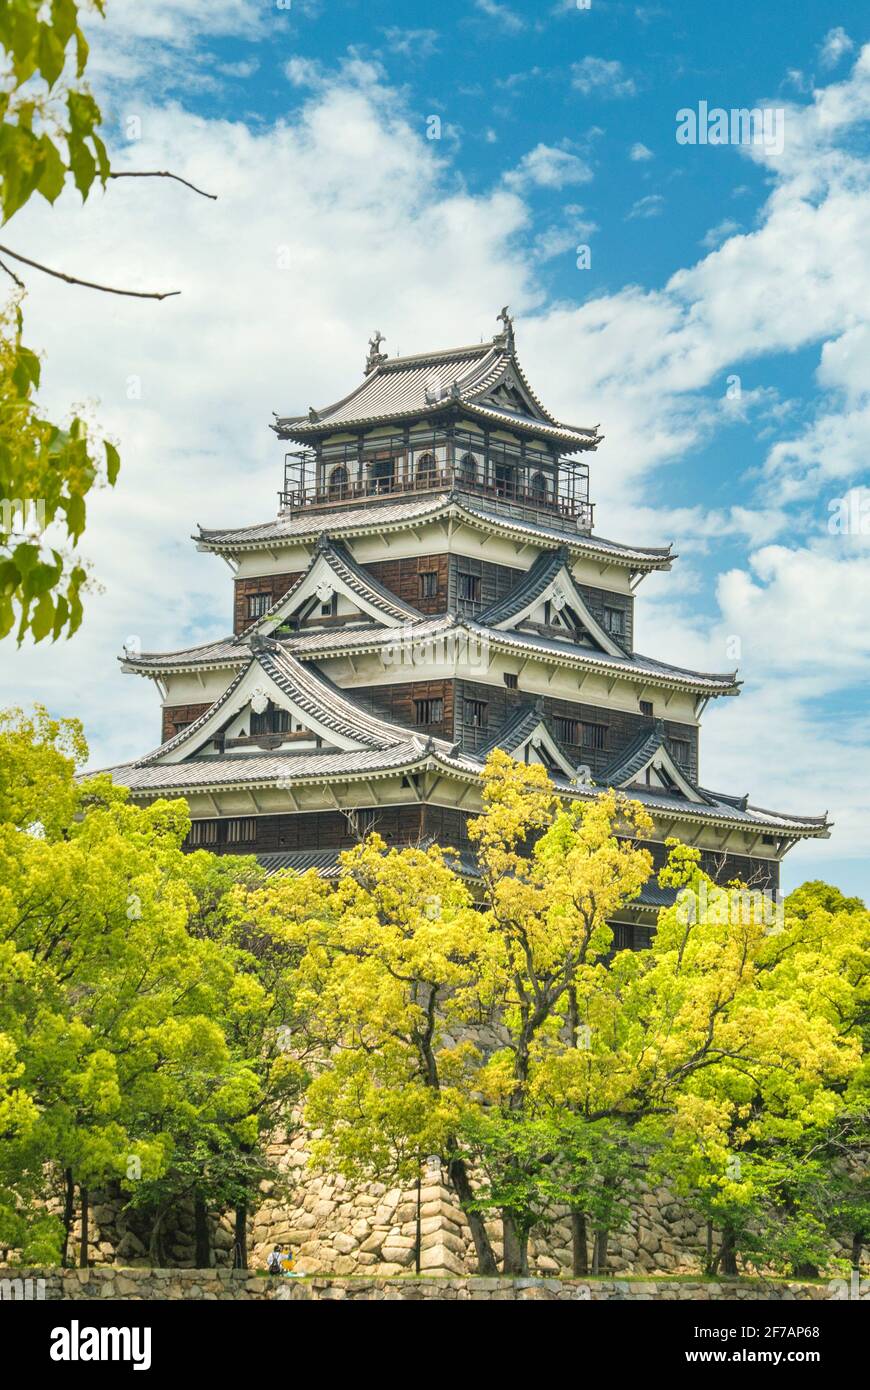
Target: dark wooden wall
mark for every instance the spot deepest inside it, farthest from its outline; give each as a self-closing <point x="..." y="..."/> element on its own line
<point x="272" y="584"/>
<point x="176" y="715"/>
<point x="621" y="725"/>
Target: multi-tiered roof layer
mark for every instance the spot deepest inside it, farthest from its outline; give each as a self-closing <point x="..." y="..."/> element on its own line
<point x="431" y="588"/>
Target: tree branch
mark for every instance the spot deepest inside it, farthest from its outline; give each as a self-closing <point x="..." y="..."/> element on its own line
<point x="161" y="174"/>
<point x="11" y="273"/>
<point x="88" y="284"/>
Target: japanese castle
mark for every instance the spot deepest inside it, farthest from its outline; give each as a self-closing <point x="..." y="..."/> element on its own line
<point x="433" y="587"/>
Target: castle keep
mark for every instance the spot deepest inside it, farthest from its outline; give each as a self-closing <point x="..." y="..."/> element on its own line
<point x="433" y="587"/>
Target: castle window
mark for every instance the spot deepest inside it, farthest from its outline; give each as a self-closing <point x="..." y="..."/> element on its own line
<point x="338" y="482"/>
<point x="258" y="604"/>
<point x="680" y="751"/>
<point x="567" y="730"/>
<point x="469" y="588"/>
<point x="426" y="469"/>
<point x="614" y="621"/>
<point x="646" y="707"/>
<point x="468" y="469"/>
<point x="203" y="832"/>
<point x="241" y="832"/>
<point x="429" y="711"/>
<point x="510" y="680"/>
<point x="593" y="735"/>
<point x="382" y="475"/>
<point x="540" y="487"/>
<point x="505" y="484"/>
<point x="270" y="721"/>
<point x="475" y="714"/>
<point x="428" y="583"/>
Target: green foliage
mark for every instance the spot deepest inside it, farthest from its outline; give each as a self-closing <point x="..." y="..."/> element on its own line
<point x="137" y="1047"/>
<point x="49" y="125"/>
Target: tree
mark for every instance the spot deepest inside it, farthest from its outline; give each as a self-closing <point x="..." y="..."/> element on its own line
<point x="49" y="137"/>
<point x="117" y="1064"/>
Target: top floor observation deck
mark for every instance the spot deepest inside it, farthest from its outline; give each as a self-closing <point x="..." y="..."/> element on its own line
<point x="462" y="420"/>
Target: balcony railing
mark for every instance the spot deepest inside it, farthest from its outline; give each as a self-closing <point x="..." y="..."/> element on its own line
<point x="505" y="494"/>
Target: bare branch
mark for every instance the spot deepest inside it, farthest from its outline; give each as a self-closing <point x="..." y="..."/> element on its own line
<point x="87" y="284"/>
<point x="11" y="273"/>
<point x="161" y="174"/>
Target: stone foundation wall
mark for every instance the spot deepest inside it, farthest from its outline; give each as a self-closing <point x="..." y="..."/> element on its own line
<point x="84" y="1285"/>
<point x="336" y="1228"/>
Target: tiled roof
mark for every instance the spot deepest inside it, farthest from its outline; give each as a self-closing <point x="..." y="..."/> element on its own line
<point x="635" y="757"/>
<point x="342" y="564"/>
<point x="402" y="514"/>
<point x="317" y="645"/>
<point x="218" y="655"/>
<point x="541" y="573"/>
<point x="313" y="695"/>
<point x="264" y="769"/>
<point x="424" y="384"/>
<point x="326" y="862"/>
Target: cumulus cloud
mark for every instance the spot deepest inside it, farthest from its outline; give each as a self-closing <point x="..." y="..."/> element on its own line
<point x="548" y="167"/>
<point x="835" y="45"/>
<point x="602" y="77"/>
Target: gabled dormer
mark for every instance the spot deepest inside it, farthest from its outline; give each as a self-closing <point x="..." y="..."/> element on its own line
<point x="549" y="601"/>
<point x="334" y="590"/>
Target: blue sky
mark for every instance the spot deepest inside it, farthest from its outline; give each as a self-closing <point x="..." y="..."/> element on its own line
<point x="336" y="214"/>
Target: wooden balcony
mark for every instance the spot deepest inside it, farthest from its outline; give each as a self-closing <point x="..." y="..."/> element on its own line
<point x="503" y="495"/>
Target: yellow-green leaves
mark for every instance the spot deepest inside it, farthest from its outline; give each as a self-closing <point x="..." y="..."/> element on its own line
<point x="46" y="474"/>
<point x="48" y="127"/>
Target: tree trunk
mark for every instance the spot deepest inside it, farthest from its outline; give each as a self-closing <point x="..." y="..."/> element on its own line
<point x="240" y="1247"/>
<point x="857" y="1245"/>
<point x="457" y="1176"/>
<point x="708" y="1260"/>
<point x="579" y="1243"/>
<point x="516" y="1247"/>
<point x="202" y="1250"/>
<point x="83" y="1247"/>
<point x="155" y="1240"/>
<point x="68" y="1209"/>
<point x="418" y="1231"/>
<point x="726" y="1256"/>
<point x="599" y="1250"/>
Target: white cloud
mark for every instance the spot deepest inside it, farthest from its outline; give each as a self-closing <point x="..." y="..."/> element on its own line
<point x="639" y="152"/>
<point x="835" y="45"/>
<point x="602" y="77"/>
<point x="412" y="43"/>
<point x="548" y="167"/>
<point x="651" y="205"/>
<point x="721" y="232"/>
<point x="503" y="15"/>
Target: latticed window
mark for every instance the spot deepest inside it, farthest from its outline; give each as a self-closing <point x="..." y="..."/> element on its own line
<point x="681" y="751"/>
<point x="428" y="583"/>
<point x="614" y="621"/>
<point x="469" y="587"/>
<point x="258" y="604"/>
<point x="567" y="730"/>
<point x="475" y="714"/>
<point x="430" y="711"/>
<point x="270" y="721"/>
<point x="511" y="681"/>
<point x="203" y="832"/>
<point x="593" y="735"/>
<point x="646" y="707"/>
<point x="241" y="831"/>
